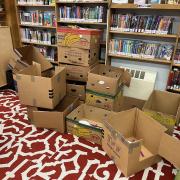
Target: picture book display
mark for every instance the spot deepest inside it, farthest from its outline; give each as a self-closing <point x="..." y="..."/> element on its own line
<point x="142" y="23"/>
<point x="141" y="49"/>
<point x="78" y="13"/>
<point x="38" y="36"/>
<point x="39" y="18"/>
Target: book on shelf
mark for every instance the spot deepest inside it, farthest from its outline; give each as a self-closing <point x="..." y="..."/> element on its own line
<point x="38" y="18"/>
<point x="174" y="80"/>
<point x="142" y="23"/>
<point x="172" y="1"/>
<point x="36" y="2"/>
<point x="38" y="36"/>
<point x="141" y="49"/>
<point x="81" y="1"/>
<point x="48" y="52"/>
<point x="177" y="57"/>
<point x="81" y="14"/>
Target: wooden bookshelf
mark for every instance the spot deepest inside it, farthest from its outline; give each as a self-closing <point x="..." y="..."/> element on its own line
<point x="41" y="44"/>
<point x="40" y="7"/>
<point x="158" y="61"/>
<point x="36" y="26"/>
<point x="82" y="2"/>
<point x="84" y="22"/>
<point x="173" y="36"/>
<point x="176" y="65"/>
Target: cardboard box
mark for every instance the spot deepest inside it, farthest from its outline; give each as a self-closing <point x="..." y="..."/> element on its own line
<point x="41" y="89"/>
<point x="134" y="141"/>
<point x="53" y="119"/>
<point x="77" y="90"/>
<point x="127" y="103"/>
<point x="77" y="73"/>
<point x="86" y="122"/>
<point x="104" y="101"/>
<point x="6" y="53"/>
<point x="78" y="37"/>
<point x="77" y="56"/>
<point x="25" y="56"/>
<point x="164" y="107"/>
<point x="107" y="79"/>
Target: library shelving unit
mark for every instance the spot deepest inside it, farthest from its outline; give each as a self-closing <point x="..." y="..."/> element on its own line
<point x="154" y="9"/>
<point x="41" y="7"/>
<point x="86" y="23"/>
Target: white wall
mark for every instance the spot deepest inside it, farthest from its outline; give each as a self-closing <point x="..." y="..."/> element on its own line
<point x="162" y="70"/>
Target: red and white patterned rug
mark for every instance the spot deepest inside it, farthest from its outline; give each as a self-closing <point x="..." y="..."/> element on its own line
<point x="27" y="152"/>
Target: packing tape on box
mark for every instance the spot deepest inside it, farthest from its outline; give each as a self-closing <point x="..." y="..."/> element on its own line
<point x="116" y="135"/>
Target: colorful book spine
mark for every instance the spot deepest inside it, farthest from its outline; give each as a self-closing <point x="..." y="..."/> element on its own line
<point x="141" y="49"/>
<point x="142" y="24"/>
<point x="36" y="2"/>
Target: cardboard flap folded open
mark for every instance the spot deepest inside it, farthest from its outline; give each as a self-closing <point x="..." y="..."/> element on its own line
<point x="126" y="78"/>
<point x="169" y="149"/>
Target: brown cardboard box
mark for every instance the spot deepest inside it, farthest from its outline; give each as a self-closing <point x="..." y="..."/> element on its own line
<point x="86" y="122"/>
<point x="129" y="103"/>
<point x="134" y="141"/>
<point x="41" y="89"/>
<point x="53" y="119"/>
<point x="164" y="107"/>
<point x="104" y="101"/>
<point x="77" y="56"/>
<point x="26" y="56"/>
<point x="77" y="90"/>
<point x="6" y="52"/>
<point x="77" y="73"/>
<point x="107" y="79"/>
<point x="78" y="37"/>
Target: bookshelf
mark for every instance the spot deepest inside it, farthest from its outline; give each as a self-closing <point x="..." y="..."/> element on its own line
<point x="3" y="18"/>
<point x="84" y="23"/>
<point x="114" y="33"/>
<point x="37" y="26"/>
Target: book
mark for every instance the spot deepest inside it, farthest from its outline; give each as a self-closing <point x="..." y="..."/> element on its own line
<point x="78" y="13"/>
<point x="141" y="49"/>
<point x="40" y="18"/>
<point x="36" y="2"/>
<point x="48" y="52"/>
<point x="177" y="57"/>
<point x="174" y="79"/>
<point x="38" y="36"/>
<point x="142" y="23"/>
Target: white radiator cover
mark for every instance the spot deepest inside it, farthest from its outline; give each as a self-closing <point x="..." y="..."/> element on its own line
<point x="142" y="83"/>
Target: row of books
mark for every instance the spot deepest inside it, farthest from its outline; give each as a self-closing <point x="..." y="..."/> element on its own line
<point x="141" y="23"/>
<point x="82" y="1"/>
<point x="46" y="18"/>
<point x="140" y="49"/>
<point x="48" y="52"/>
<point x="38" y="36"/>
<point x="36" y="2"/>
<point x="177" y="57"/>
<point x="174" y="80"/>
<point x="147" y="2"/>
<point x="78" y="13"/>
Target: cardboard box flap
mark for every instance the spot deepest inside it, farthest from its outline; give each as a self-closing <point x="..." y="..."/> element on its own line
<point x="126" y="78"/>
<point x="169" y="149"/>
<point x="28" y="54"/>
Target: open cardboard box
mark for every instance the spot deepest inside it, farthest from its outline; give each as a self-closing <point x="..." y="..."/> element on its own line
<point x="107" y="79"/>
<point x="77" y="56"/>
<point x="136" y="141"/>
<point x="164" y="107"/>
<point x="77" y="73"/>
<point x="25" y="56"/>
<point x="41" y="89"/>
<point x="86" y="122"/>
<point x="53" y="119"/>
<point x="78" y="37"/>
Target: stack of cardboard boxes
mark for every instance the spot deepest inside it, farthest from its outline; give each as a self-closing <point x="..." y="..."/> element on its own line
<point x="78" y="51"/>
<point x="42" y="88"/>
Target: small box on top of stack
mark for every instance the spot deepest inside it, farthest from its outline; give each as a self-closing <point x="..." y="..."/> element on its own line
<point x="42" y="88"/>
<point x="78" y="50"/>
<point x="105" y="86"/>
